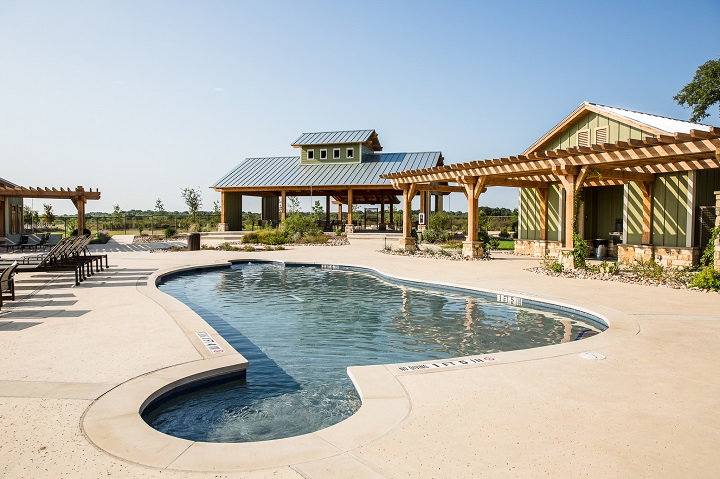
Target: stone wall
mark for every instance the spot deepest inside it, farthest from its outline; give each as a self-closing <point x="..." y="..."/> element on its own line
<point x="537" y="248"/>
<point x="663" y="255"/>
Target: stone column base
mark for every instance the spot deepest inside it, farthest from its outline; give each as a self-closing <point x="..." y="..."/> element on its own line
<point x="473" y="249"/>
<point x="223" y="227"/>
<point x="566" y="258"/>
<point x="349" y="228"/>
<point x="407" y="243"/>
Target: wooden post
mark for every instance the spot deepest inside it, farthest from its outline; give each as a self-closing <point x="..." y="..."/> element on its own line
<point x="423" y="210"/>
<point x="407" y="241"/>
<point x="222" y="208"/>
<point x="80" y="205"/>
<point x="327" y="211"/>
<point x="283" y="199"/>
<point x="646" y="187"/>
<point x="474" y="185"/>
<point x="572" y="179"/>
<point x="350" y="227"/>
<point x="391" y="215"/>
<point x="340" y="212"/>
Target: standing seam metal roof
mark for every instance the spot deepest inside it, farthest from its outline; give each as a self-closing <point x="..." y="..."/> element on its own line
<point x="288" y="172"/>
<point x="355" y="136"/>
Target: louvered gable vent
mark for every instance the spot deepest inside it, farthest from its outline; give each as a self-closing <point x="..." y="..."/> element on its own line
<point x="601" y="135"/>
<point x="583" y="138"/>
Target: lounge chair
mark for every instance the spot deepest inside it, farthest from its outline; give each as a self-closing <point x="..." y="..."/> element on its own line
<point x="11" y="242"/>
<point x="31" y="241"/>
<point x="7" y="282"/>
<point x="52" y="240"/>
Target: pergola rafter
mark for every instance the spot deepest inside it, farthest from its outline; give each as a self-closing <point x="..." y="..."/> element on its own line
<point x="79" y="196"/>
<point x="598" y="165"/>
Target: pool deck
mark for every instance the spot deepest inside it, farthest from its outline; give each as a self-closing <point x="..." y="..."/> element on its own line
<point x="76" y="362"/>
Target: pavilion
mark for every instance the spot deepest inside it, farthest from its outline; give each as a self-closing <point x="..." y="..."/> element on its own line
<point x="345" y="166"/>
<point x="11" y="203"/>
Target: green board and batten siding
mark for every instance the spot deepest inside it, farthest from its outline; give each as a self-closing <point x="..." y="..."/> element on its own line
<point x="616" y="132"/>
<point x="530" y="217"/>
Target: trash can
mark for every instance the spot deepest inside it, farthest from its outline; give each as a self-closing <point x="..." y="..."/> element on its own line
<point x="193" y="241"/>
<point x="600" y="247"/>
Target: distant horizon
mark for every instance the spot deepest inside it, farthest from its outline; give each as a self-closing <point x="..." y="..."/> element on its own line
<point x="142" y="99"/>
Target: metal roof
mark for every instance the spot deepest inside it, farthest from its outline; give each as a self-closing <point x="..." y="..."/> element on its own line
<point x="669" y="125"/>
<point x="355" y="136"/>
<point x="6" y="182"/>
<point x="288" y="172"/>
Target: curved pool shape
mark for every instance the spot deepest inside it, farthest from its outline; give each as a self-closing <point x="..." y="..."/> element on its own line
<point x="300" y="327"/>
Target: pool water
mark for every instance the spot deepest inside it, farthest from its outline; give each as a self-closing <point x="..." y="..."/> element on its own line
<point x="300" y="327"/>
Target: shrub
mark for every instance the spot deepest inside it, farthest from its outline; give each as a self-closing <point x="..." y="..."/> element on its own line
<point x="140" y="229"/>
<point x="266" y="237"/>
<point x="708" y="256"/>
<point x="707" y="278"/>
<point x="493" y="243"/>
<point x="454" y="244"/>
<point x="300" y="225"/>
<point x="313" y="239"/>
<point x="552" y="264"/>
<point x="429" y="235"/>
<point x="338" y="232"/>
<point x="101" y="238"/>
<point x="504" y="233"/>
<point x="170" y="232"/>
<point x="440" y="221"/>
<point x="647" y="269"/>
<point x="248" y="247"/>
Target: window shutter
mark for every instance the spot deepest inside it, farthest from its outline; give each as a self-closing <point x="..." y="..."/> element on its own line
<point x="583" y="138"/>
<point x="601" y="135"/>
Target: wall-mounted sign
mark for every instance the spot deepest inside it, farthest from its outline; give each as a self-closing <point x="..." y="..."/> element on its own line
<point x="209" y="342"/>
<point x="421" y="218"/>
<point x="447" y="364"/>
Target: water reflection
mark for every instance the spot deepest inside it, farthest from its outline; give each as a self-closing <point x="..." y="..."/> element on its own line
<point x="301" y="327"/>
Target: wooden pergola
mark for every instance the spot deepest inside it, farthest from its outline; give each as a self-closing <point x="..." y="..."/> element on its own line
<point x="598" y="165"/>
<point x="79" y="196"/>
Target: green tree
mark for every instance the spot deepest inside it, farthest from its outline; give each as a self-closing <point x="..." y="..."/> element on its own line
<point x="193" y="200"/>
<point x="117" y="216"/>
<point x="159" y="206"/>
<point x="703" y="91"/>
<point x="48" y="216"/>
<point x="318" y="212"/>
<point x="293" y="205"/>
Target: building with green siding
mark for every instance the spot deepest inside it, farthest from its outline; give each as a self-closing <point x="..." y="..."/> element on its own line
<point x="681" y="203"/>
<point x="11" y="212"/>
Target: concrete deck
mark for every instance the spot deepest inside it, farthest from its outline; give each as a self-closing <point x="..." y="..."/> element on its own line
<point x="648" y="410"/>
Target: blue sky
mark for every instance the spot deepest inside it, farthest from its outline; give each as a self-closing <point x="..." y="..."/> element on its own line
<point x="141" y="99"/>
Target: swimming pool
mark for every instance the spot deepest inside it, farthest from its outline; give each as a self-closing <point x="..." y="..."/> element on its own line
<point x="300" y="327"/>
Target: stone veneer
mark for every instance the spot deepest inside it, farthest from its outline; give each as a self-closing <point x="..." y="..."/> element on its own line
<point x="537" y="248"/>
<point x="664" y="255"/>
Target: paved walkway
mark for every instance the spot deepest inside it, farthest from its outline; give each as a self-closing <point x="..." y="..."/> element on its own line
<point x="650" y="409"/>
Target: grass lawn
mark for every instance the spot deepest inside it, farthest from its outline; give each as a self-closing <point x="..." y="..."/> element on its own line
<point x="507" y="245"/>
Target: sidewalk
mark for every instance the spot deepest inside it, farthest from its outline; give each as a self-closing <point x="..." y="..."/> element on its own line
<point x="648" y="410"/>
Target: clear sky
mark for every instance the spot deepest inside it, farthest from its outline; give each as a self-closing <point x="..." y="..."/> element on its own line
<point x="143" y="98"/>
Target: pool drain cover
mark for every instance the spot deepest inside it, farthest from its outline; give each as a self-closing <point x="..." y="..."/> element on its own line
<point x="588" y="355"/>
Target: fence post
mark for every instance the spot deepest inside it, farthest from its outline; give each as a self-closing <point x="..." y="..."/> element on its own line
<point x="152" y="225"/>
<point x="125" y="224"/>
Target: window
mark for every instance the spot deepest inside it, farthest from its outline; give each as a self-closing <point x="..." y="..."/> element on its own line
<point x="583" y="138"/>
<point x="311" y="154"/>
<point x="350" y="153"/>
<point x="601" y="135"/>
<point x="336" y="153"/>
<point x="323" y="154"/>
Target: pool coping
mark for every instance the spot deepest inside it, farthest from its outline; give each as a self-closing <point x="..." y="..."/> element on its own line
<point x="113" y="422"/>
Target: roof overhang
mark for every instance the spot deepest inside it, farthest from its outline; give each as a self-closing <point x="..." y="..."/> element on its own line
<point x="607" y="164"/>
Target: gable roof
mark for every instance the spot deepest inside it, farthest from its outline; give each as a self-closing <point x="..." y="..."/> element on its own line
<point x="657" y="125"/>
<point x="288" y="172"/>
<point x="329" y="137"/>
<point x="5" y="182"/>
